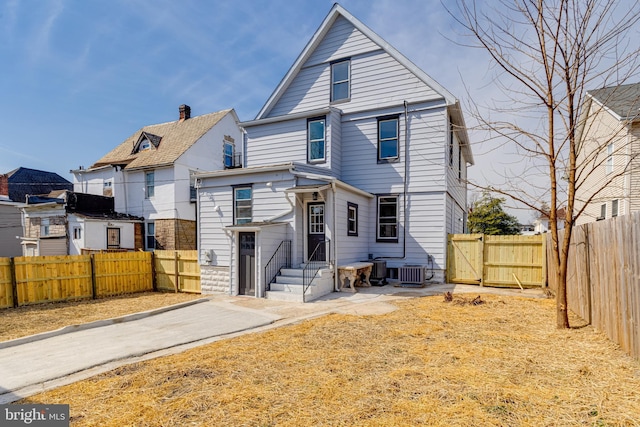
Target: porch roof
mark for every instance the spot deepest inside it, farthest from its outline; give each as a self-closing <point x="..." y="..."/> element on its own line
<point x="307" y="188"/>
<point x="252" y="226"/>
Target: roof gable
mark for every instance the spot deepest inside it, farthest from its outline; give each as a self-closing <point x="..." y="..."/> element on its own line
<point x="169" y="141"/>
<point x="622" y="101"/>
<point x="315" y="52"/>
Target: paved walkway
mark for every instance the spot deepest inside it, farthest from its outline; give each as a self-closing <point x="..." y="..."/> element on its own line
<point x="37" y="363"/>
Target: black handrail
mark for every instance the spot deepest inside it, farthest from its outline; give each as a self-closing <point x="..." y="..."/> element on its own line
<point x="280" y="259"/>
<point x="311" y="269"/>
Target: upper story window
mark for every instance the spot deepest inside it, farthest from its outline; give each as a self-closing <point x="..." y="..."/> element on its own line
<point x="77" y="233"/>
<point x="228" y="155"/>
<point x="149" y="184"/>
<point x="459" y="162"/>
<point x="610" y="149"/>
<point x="242" y="205"/>
<point x="315" y="140"/>
<point x="388" y="149"/>
<point x="352" y="219"/>
<point x="107" y="188"/>
<point x="451" y="143"/>
<point x="387" y="229"/>
<point x="614" y="208"/>
<point x="340" y="80"/>
<point x="44" y="227"/>
<point x="145" y="144"/>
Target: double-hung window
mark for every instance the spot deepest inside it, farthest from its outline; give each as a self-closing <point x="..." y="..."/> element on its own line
<point x="614" y="208"/>
<point x="149" y="184"/>
<point x="340" y="80"/>
<point x="150" y="243"/>
<point x="352" y="219"/>
<point x="610" y="149"/>
<point x="228" y="155"/>
<point x="242" y="205"/>
<point x="603" y="211"/>
<point x="388" y="148"/>
<point x="387" y="229"/>
<point x="316" y="140"/>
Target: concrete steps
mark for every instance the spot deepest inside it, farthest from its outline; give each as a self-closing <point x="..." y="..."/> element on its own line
<point x="288" y="286"/>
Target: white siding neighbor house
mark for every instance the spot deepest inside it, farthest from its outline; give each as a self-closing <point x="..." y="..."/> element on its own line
<point x="151" y="174"/>
<point x="358" y="155"/>
<point x="608" y="170"/>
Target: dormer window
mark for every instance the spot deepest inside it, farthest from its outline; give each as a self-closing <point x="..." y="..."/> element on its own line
<point x="147" y="141"/>
<point x="228" y="155"/>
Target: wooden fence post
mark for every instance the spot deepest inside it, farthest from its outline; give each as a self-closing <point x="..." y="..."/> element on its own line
<point x="154" y="281"/>
<point x="176" y="272"/>
<point x="483" y="270"/>
<point x="94" y="292"/>
<point x="14" y="284"/>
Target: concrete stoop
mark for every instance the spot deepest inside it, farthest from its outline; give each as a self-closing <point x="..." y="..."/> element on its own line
<point x="289" y="285"/>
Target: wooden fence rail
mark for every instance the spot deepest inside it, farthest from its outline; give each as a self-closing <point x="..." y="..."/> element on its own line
<point x="603" y="278"/>
<point x="33" y="280"/>
<point x="500" y="261"/>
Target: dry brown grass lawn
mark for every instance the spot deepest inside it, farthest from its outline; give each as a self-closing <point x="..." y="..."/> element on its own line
<point x="436" y="363"/>
<point x="33" y="319"/>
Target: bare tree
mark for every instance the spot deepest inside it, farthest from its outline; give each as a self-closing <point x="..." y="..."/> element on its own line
<point x="546" y="55"/>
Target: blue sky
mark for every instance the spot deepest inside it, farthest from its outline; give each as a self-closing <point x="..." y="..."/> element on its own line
<point x="79" y="77"/>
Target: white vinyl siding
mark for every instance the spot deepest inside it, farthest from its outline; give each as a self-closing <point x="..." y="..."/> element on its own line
<point x="377" y="80"/>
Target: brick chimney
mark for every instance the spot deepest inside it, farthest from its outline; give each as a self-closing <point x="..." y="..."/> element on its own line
<point x="185" y="112"/>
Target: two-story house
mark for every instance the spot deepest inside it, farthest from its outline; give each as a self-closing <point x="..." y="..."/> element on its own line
<point x="608" y="172"/>
<point x="150" y="174"/>
<point x="358" y="154"/>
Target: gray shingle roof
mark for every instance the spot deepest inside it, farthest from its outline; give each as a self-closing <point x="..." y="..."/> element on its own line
<point x="623" y="100"/>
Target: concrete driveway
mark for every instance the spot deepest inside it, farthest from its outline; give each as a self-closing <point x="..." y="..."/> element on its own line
<point x="33" y="364"/>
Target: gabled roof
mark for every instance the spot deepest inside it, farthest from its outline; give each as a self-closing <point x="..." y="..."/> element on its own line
<point x="23" y="181"/>
<point x="622" y="101"/>
<point x="173" y="139"/>
<point x="335" y="12"/>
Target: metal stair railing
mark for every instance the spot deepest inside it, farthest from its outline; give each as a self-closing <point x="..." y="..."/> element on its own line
<point x="280" y="259"/>
<point x="311" y="269"/>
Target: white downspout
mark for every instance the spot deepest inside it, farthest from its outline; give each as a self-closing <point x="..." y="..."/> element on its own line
<point x="335" y="233"/>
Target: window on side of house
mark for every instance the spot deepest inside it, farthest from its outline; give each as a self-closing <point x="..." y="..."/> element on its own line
<point x="341" y="80"/>
<point x="614" y="208"/>
<point x="149" y="184"/>
<point x="451" y="143"/>
<point x="107" y="188"/>
<point x="77" y="233"/>
<point x="44" y="227"/>
<point x="242" y="205"/>
<point x="352" y="219"/>
<point x="603" y="211"/>
<point x="388" y="148"/>
<point x="229" y="151"/>
<point x="150" y="243"/>
<point x="610" y="149"/>
<point x="459" y="162"/>
<point x="316" y="140"/>
<point x="387" y="228"/>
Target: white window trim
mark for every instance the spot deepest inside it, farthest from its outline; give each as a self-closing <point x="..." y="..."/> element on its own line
<point x="347" y="81"/>
<point x="236" y="217"/>
<point x="610" y="150"/>
<point x="149" y="194"/>
<point x="310" y="141"/>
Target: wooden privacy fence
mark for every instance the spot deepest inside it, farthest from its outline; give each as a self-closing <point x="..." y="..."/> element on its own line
<point x="501" y="261"/>
<point x="603" y="278"/>
<point x="32" y="280"/>
<point x="177" y="271"/>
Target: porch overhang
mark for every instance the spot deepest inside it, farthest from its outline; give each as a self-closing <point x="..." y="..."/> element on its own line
<point x="252" y="226"/>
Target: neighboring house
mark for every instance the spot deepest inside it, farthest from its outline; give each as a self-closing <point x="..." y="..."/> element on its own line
<point x="541" y="224"/>
<point x="10" y="228"/>
<point x="19" y="183"/>
<point x="150" y="175"/>
<point x="608" y="162"/>
<point x="358" y="154"/>
<point x="70" y="223"/>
